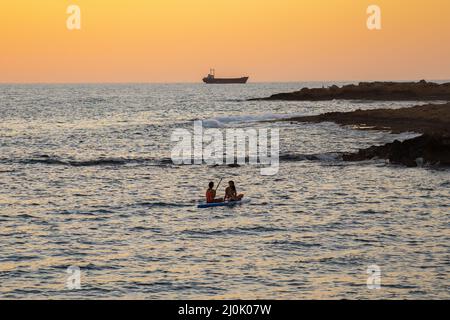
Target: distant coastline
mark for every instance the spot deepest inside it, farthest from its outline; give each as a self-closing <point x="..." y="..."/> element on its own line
<point x="375" y="91"/>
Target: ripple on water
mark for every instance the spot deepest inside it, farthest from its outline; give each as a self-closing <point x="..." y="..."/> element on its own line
<point x="93" y="186"/>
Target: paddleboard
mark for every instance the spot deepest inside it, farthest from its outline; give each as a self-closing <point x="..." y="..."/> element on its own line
<point x="222" y="204"/>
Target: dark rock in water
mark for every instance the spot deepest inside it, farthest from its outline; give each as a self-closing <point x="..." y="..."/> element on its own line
<point x="382" y="91"/>
<point x="233" y="165"/>
<point x="425" y="149"/>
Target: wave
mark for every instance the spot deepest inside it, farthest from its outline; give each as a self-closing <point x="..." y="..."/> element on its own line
<point x="328" y="156"/>
<point x="223" y="121"/>
<point x="163" y="204"/>
<point x="230" y="231"/>
<point x="160" y="162"/>
<point x="212" y="123"/>
<point x="49" y="160"/>
<point x="294" y="244"/>
<point x="445" y="184"/>
<point x="87" y="212"/>
<point x="7" y="171"/>
<point x="90" y="100"/>
<point x="293" y="157"/>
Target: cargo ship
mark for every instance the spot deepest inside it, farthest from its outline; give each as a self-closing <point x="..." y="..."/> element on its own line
<point x="211" y="78"/>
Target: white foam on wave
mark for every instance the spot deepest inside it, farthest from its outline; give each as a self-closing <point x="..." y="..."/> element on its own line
<point x="407" y="135"/>
<point x="212" y="123"/>
<point x="330" y="156"/>
<point x="222" y="121"/>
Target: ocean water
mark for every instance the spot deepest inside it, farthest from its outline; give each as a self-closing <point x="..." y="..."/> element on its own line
<point x="87" y="181"/>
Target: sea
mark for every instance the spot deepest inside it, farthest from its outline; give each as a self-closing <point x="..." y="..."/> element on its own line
<point x="93" y="207"/>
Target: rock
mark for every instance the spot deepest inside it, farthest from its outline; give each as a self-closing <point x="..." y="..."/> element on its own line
<point x="382" y="91"/>
<point x="425" y="149"/>
<point x="430" y="118"/>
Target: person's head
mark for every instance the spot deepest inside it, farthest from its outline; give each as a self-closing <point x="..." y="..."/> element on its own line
<point x="231" y="184"/>
<point x="211" y="185"/>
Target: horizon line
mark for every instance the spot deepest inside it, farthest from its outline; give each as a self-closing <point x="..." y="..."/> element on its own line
<point x="198" y="82"/>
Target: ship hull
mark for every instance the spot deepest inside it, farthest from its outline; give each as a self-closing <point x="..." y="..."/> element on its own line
<point x="225" y="80"/>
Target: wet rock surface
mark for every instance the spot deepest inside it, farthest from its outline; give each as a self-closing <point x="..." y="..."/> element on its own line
<point x="422" y="150"/>
<point x="432" y="120"/>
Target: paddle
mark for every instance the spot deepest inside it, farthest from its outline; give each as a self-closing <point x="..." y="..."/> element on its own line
<point x="219" y="183"/>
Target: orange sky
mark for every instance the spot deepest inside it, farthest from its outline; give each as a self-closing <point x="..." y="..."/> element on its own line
<point x="179" y="40"/>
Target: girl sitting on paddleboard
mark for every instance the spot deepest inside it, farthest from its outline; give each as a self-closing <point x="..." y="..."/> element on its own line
<point x="211" y="194"/>
<point x="231" y="194"/>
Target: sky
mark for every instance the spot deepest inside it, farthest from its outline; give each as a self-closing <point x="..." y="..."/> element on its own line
<point x="179" y="40"/>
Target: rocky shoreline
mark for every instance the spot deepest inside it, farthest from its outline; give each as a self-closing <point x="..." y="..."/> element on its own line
<point x="423" y="150"/>
<point x="432" y="120"/>
<point x="378" y="91"/>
